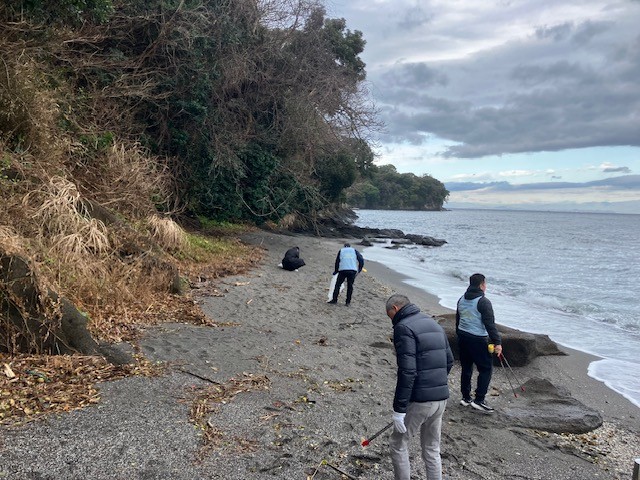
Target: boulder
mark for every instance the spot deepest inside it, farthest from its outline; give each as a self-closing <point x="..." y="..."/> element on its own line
<point x="425" y="240"/>
<point x="543" y="406"/>
<point x="520" y="348"/>
<point x="35" y="319"/>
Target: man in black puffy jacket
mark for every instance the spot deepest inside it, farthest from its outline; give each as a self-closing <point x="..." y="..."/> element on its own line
<point x="424" y="362"/>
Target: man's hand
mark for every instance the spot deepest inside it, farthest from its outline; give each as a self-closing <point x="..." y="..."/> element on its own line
<point x="398" y="422"/>
<point x="497" y="349"/>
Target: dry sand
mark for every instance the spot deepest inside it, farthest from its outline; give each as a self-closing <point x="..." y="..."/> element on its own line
<point x="313" y="380"/>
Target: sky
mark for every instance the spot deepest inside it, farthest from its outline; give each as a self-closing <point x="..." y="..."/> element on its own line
<point x="509" y="103"/>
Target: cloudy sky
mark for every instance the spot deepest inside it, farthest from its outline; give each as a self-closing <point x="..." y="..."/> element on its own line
<point x="534" y="101"/>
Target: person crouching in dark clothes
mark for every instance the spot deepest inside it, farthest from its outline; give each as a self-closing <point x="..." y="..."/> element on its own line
<point x="292" y="260"/>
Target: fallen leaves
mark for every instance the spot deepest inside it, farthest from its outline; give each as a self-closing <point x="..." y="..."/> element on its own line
<point x="208" y="399"/>
<point x="342" y="386"/>
<point x="35" y="385"/>
<point x="8" y="372"/>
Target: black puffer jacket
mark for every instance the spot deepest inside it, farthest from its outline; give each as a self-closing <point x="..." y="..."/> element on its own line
<point x="424" y="358"/>
<point x="292" y="260"/>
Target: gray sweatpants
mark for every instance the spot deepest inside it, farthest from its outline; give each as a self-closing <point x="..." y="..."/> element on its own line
<point x="425" y="417"/>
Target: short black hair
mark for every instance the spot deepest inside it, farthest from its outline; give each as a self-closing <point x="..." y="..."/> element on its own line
<point x="476" y="280"/>
<point x="347" y="244"/>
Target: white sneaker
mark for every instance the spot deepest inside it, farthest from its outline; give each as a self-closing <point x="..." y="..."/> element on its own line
<point x="482" y="406"/>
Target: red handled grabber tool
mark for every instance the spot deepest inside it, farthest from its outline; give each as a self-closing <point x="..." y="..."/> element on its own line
<point x="367" y="441"/>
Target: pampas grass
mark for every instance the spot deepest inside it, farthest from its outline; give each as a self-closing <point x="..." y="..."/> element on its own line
<point x="128" y="179"/>
<point x="64" y="221"/>
<point x="10" y="241"/>
<point x="167" y="233"/>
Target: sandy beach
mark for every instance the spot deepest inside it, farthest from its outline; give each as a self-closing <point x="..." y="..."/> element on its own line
<point x="286" y="386"/>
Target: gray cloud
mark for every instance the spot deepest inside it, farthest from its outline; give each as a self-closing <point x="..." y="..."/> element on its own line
<point x="616" y="170"/>
<point x="414" y="17"/>
<point x="519" y="98"/>
<point x="547" y="88"/>
<point x="414" y="75"/>
<point x="588" y="30"/>
<point x="556" y="33"/>
<point x="560" y="71"/>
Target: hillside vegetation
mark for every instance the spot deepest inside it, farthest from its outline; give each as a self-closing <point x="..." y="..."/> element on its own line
<point x="135" y="136"/>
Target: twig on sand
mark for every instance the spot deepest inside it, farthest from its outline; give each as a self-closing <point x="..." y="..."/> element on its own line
<point x="342" y="472"/>
<point x="184" y="370"/>
<point x="312" y="476"/>
<point x="324" y="462"/>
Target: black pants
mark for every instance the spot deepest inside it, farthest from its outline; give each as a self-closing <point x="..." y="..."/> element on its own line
<point x="350" y="276"/>
<point x="474" y="351"/>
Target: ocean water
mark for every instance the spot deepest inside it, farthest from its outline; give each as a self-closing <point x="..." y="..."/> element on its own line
<point x="572" y="276"/>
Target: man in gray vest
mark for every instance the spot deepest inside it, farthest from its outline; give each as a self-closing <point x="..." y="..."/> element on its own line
<point x="424" y="361"/>
<point x="475" y="327"/>
<point x="349" y="263"/>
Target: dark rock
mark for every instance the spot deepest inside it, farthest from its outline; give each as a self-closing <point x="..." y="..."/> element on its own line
<point x="543" y="406"/>
<point x="425" y="240"/>
<point x="520" y="348"/>
<point x="73" y="328"/>
<point x="117" y="353"/>
<point x="338" y="223"/>
<point x="35" y="320"/>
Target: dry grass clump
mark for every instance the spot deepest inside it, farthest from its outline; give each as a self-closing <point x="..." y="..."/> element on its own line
<point x="28" y="110"/>
<point x="10" y="242"/>
<point x="169" y="235"/>
<point x="124" y="177"/>
<point x="64" y="223"/>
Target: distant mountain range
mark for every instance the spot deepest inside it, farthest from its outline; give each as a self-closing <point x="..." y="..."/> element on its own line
<point x="623" y="182"/>
<point x="612" y="195"/>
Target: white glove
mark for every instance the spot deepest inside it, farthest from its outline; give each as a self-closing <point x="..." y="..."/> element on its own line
<point x="398" y="422"/>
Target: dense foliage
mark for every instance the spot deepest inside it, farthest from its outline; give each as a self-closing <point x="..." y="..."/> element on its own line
<point x="118" y="117"/>
<point x="384" y="188"/>
<point x="254" y="108"/>
<point x="250" y="100"/>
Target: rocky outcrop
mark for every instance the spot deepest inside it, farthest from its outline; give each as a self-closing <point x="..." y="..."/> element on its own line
<point x="338" y="223"/>
<point x="539" y="404"/>
<point x="543" y="406"/>
<point x="35" y="318"/>
<point x="520" y="347"/>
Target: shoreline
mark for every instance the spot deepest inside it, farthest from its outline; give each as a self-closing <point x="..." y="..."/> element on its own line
<point x="577" y="367"/>
<point x="307" y="381"/>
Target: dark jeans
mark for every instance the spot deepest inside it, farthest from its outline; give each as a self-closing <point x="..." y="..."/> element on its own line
<point x="474" y="351"/>
<point x="350" y="276"/>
